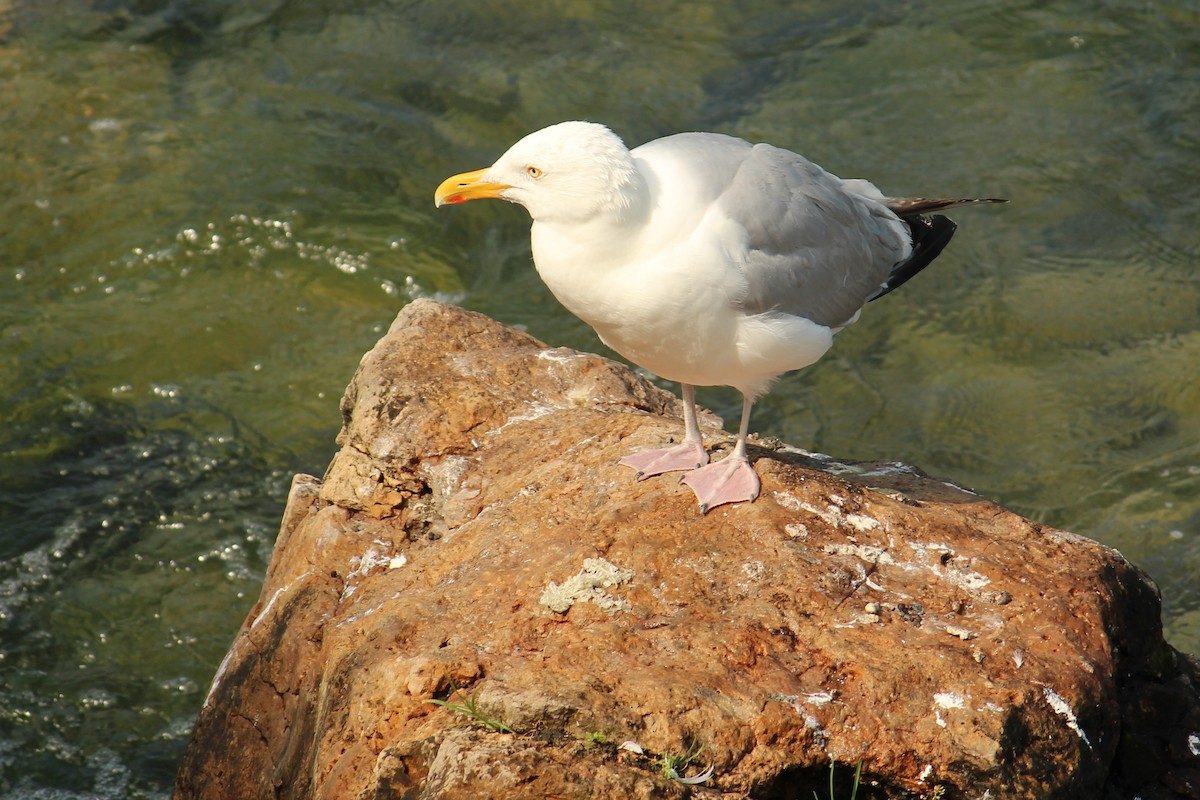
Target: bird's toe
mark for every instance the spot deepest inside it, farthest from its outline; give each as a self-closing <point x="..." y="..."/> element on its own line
<point x="648" y="463"/>
<point x="731" y="480"/>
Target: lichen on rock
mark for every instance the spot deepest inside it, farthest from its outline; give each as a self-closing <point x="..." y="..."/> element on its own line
<point x="587" y="586"/>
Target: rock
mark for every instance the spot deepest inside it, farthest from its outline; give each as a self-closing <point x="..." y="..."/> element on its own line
<point x="474" y="542"/>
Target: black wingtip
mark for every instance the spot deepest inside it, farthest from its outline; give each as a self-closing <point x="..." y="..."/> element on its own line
<point x="930" y="235"/>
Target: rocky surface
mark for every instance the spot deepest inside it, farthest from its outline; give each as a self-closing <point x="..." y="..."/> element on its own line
<point x="474" y="542"/>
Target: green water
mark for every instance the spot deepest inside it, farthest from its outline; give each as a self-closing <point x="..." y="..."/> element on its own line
<point x="212" y="209"/>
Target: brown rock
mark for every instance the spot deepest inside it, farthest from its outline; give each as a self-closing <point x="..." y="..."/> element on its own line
<point x="475" y="542"/>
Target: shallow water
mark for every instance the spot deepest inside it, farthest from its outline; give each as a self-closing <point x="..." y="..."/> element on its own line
<point x="212" y="209"/>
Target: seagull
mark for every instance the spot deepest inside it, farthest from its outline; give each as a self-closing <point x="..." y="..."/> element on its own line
<point x="706" y="260"/>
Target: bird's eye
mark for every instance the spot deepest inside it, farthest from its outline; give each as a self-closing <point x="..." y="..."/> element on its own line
<point x="533" y="172"/>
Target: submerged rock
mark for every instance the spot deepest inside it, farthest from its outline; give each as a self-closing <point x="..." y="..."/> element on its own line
<point x="475" y="543"/>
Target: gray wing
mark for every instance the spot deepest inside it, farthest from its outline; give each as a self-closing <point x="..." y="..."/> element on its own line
<point x="818" y="247"/>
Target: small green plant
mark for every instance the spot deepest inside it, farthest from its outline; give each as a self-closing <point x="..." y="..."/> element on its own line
<point x="594" y="737"/>
<point x="673" y="765"/>
<point x="470" y="709"/>
<point x="854" y="788"/>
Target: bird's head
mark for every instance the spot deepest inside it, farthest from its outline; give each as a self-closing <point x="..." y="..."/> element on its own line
<point x="569" y="172"/>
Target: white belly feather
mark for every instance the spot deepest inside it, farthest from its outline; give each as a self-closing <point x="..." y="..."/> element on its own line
<point x="675" y="314"/>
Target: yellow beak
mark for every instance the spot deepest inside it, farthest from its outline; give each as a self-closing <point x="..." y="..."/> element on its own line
<point x="467" y="186"/>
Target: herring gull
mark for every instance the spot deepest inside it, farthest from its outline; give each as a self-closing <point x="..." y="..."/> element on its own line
<point x="706" y="260"/>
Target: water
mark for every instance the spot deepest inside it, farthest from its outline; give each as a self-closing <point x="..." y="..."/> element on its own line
<point x="212" y="209"/>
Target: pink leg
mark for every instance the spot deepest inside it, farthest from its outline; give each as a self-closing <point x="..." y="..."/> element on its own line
<point x="687" y="455"/>
<point x="730" y="480"/>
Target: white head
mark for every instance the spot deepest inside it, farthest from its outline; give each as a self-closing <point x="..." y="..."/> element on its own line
<point x="569" y="172"/>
